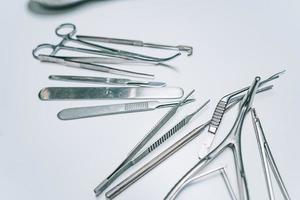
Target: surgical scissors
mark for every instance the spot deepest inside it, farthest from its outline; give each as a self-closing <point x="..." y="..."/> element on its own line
<point x="67" y="32"/>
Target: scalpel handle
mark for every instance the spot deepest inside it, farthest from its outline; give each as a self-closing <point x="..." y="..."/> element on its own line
<point x="93" y="111"/>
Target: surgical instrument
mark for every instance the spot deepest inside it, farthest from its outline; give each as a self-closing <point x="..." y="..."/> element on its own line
<point x="221" y="171"/>
<point x="137" y="43"/>
<point x="67" y="32"/>
<point x="231" y="141"/>
<point x="267" y="159"/>
<point x="218" y="114"/>
<point x="93" y="111"/>
<point x="106" y="80"/>
<point x="90" y="93"/>
<point x="124" y="165"/>
<point x="91" y="66"/>
<point x="119" y="188"/>
<point x="108" y="60"/>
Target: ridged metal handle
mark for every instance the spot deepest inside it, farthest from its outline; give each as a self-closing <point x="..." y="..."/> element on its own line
<point x="136" y="106"/>
<point x="167" y="135"/>
<point x="217" y="116"/>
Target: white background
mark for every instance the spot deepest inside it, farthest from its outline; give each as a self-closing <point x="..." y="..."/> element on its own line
<point x="42" y="157"/>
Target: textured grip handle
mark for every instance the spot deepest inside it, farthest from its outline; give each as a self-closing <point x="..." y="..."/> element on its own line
<point x="167" y="135"/>
<point x="217" y="116"/>
<point x="136" y="106"/>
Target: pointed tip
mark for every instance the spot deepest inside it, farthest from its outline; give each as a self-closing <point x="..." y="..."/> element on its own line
<point x="282" y="72"/>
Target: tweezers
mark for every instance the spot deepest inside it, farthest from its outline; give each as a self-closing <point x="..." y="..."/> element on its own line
<point x="129" y="160"/>
<point x="119" y="188"/>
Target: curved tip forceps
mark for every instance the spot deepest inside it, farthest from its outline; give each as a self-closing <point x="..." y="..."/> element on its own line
<point x="116" y="56"/>
<point x="231" y="141"/>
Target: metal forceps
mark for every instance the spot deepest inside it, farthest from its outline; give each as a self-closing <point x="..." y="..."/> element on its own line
<point x="219" y="112"/>
<point x="231" y="140"/>
<point x="267" y="159"/>
<point x="67" y="32"/>
<point x="127" y="182"/>
<point x="129" y="160"/>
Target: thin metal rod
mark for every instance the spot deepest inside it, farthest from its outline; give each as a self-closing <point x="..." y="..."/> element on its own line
<point x="268" y="159"/>
<point x="90" y="66"/>
<point x="106" y="80"/>
<point x="228" y="184"/>
<point x="137" y="43"/>
<point x="263" y="155"/>
<point x="225" y="178"/>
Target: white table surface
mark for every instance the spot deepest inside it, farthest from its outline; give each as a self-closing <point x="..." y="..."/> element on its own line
<point x="42" y="157"/>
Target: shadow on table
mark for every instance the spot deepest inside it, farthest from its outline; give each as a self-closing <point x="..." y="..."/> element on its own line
<point x="39" y="9"/>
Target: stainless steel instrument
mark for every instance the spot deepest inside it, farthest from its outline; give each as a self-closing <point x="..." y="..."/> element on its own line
<point x="108" y="60"/>
<point x="218" y="115"/>
<point x="91" y="66"/>
<point x="267" y="159"/>
<point x="105" y="80"/>
<point x="89" y="93"/>
<point x="93" y="111"/>
<point x="133" y="157"/>
<point x="137" y="43"/>
<point x="233" y="142"/>
<point x="119" y="188"/>
<point x="100" y="54"/>
<point x="95" y="49"/>
<point x="221" y="171"/>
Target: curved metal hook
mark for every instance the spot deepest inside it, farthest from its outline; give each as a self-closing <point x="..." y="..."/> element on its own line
<point x="42" y="46"/>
